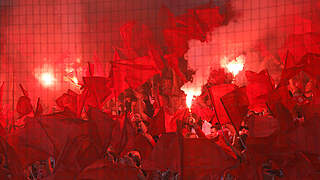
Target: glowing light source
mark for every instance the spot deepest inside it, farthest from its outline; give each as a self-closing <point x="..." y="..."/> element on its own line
<point x="75" y="80"/>
<point x="234" y="66"/>
<point x="191" y="95"/>
<point x="47" y="79"/>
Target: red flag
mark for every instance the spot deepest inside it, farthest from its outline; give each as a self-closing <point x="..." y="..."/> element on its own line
<point x="100" y="128"/>
<point x="176" y="41"/>
<point x="281" y="95"/>
<point x="102" y="169"/>
<point x="262" y="126"/>
<point x="209" y="17"/>
<point x="62" y="126"/>
<point x="122" y="133"/>
<point x="68" y="100"/>
<point x="217" y="92"/>
<point x="141" y="144"/>
<point x="203" y="158"/>
<point x="31" y="143"/>
<point x="283" y="116"/>
<point x="99" y="89"/>
<point x="137" y="37"/>
<point x="24" y="106"/>
<point x="10" y="159"/>
<point x="259" y="85"/>
<point x="299" y="45"/>
<point x="165" y="155"/>
<point x="236" y="104"/>
<point x="157" y="123"/>
<point x="132" y="73"/>
<point x="305" y="138"/>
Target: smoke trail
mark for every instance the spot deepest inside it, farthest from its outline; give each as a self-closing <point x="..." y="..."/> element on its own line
<point x="258" y="23"/>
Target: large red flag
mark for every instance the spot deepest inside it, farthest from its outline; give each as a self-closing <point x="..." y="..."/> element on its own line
<point x="305" y="138"/>
<point x="100" y="128"/>
<point x="137" y="37"/>
<point x="203" y="158"/>
<point x="103" y="169"/>
<point x="298" y="45"/>
<point x="123" y="133"/>
<point x="99" y="89"/>
<point x="236" y="103"/>
<point x="141" y="144"/>
<point x="62" y="126"/>
<point x="210" y="17"/>
<point x="165" y="155"/>
<point x="176" y="40"/>
<point x="259" y="85"/>
<point x="132" y="73"/>
<point x="217" y="92"/>
<point x="68" y="100"/>
<point x="31" y="143"/>
<point x="157" y="123"/>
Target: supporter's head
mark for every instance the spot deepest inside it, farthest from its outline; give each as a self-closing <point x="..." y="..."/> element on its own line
<point x="138" y="123"/>
<point x="135" y="156"/>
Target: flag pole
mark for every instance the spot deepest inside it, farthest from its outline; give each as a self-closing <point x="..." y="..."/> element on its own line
<point x="237" y="132"/>
<point x="215" y="111"/>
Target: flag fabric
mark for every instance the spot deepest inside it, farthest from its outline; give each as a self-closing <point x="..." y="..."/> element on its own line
<point x="311" y="62"/>
<point x="31" y="143"/>
<point x="203" y="158"/>
<point x="236" y="103"/>
<point x="13" y="163"/>
<point x="298" y="45"/>
<point x="68" y="100"/>
<point x="66" y="122"/>
<point x="101" y="169"/>
<point x="259" y="85"/>
<point x="157" y="123"/>
<point x="24" y="106"/>
<point x="100" y="128"/>
<point x="99" y="89"/>
<point x="141" y="144"/>
<point x="132" y="73"/>
<point x="137" y="37"/>
<point x="123" y="133"/>
<point x="165" y="155"/>
<point x="209" y="17"/>
<point x="217" y="92"/>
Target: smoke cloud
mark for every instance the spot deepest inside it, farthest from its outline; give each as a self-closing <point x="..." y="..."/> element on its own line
<point x="259" y="27"/>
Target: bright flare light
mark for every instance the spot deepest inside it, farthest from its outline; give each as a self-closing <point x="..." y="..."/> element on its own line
<point x="75" y="80"/>
<point x="47" y="79"/>
<point x="235" y="66"/>
<point x="191" y="94"/>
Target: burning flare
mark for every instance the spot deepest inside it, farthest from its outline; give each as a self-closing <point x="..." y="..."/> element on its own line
<point x="234" y="66"/>
<point x="191" y="94"/>
<point x="47" y="79"/>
